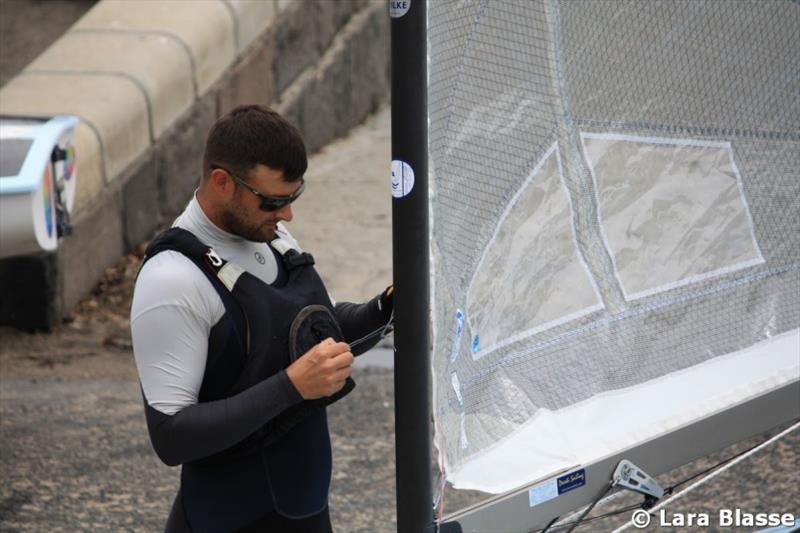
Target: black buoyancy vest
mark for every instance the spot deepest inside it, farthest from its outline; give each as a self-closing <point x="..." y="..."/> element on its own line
<point x="286" y="465"/>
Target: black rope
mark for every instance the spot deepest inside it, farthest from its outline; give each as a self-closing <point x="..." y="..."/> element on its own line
<point x="592" y="519"/>
<point x="550" y="523"/>
<point x="588" y="509"/>
<point x="669" y="490"/>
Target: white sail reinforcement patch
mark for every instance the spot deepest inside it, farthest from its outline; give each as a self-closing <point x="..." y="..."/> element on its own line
<point x="552" y="441"/>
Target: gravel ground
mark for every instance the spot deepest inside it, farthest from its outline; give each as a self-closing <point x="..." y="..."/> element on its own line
<point x="74" y="451"/>
<point x="75" y="456"/>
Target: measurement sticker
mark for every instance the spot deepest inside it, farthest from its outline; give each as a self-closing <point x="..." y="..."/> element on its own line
<point x="542" y="492"/>
<point x="402" y="178"/>
<point x="398" y="8"/>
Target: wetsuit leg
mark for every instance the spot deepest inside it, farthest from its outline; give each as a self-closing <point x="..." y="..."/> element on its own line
<point x="275" y="523"/>
<point x="176" y="522"/>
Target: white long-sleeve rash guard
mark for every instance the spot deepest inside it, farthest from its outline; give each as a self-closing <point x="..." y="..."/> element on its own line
<point x="175" y="306"/>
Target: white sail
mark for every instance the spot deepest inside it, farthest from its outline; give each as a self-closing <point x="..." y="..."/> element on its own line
<point x="615" y="189"/>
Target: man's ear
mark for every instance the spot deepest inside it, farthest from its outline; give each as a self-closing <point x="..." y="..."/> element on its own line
<point x="221" y="183"/>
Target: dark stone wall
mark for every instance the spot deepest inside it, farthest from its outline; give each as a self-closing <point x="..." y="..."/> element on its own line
<point x="28" y="286"/>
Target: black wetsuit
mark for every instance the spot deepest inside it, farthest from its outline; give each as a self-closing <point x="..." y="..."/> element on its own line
<point x="247" y="467"/>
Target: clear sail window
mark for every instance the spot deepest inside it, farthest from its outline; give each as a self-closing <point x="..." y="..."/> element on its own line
<point x="672" y="212"/>
<point x="531" y="276"/>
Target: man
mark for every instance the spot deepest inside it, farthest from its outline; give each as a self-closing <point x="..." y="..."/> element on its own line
<point x="238" y="345"/>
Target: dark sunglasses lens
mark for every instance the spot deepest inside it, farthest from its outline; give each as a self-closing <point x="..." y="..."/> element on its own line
<point x="273" y="204"/>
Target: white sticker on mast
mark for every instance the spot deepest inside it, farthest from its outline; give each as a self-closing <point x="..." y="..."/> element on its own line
<point x="402" y="178"/>
<point x="398" y="8"/>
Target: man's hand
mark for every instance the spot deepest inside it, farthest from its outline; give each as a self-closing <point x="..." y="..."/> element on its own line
<point x="321" y="371"/>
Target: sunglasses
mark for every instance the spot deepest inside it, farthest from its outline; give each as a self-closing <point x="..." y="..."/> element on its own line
<point x="268" y="203"/>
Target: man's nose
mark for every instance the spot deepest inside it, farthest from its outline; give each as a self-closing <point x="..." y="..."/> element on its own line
<point x="285" y="213"/>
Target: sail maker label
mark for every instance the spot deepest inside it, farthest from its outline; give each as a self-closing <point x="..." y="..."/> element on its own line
<point x="571" y="481"/>
<point x="553" y="488"/>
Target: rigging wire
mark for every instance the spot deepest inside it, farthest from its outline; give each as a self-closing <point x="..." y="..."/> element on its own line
<point x="550" y="523"/>
<point x="734" y="461"/>
<point x="598" y="517"/>
<point x="581" y="520"/>
<point x="383" y="331"/>
<point x="589" y="509"/>
<point x="722" y="465"/>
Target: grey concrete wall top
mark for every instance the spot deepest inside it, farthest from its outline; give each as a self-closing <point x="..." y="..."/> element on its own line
<point x="129" y="69"/>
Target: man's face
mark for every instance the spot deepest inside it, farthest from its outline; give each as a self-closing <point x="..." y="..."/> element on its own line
<point x="243" y="215"/>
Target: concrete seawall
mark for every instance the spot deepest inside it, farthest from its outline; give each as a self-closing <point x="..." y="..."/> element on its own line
<point x="147" y="81"/>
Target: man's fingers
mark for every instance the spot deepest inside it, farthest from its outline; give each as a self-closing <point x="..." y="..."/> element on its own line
<point x="336" y="387"/>
<point x="342" y="360"/>
<point x="326" y="349"/>
<point x="333" y="349"/>
<point x="342" y="373"/>
<point x="324" y="369"/>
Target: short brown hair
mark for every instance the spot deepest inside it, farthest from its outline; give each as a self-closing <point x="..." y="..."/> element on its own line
<point x="251" y="135"/>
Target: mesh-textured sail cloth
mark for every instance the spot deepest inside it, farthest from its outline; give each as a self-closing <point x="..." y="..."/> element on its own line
<point x="615" y="199"/>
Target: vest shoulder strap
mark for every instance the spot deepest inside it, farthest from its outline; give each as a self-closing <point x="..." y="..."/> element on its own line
<point x="221" y="273"/>
<point x="185" y="242"/>
<point x="291" y="257"/>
